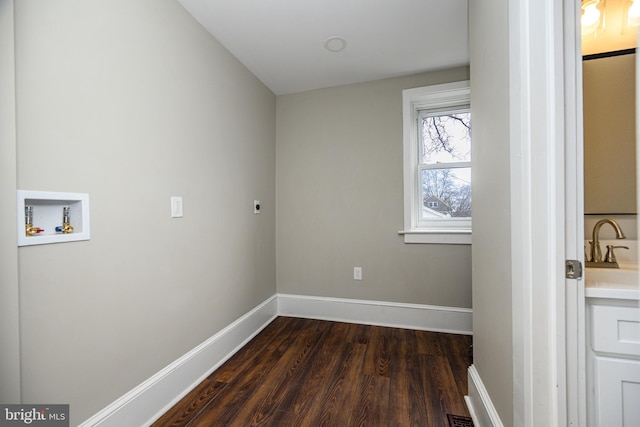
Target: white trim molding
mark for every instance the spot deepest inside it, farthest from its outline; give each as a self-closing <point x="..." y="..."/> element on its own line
<point x="481" y="408"/>
<point x="444" y="237"/>
<point x="148" y="401"/>
<point x="382" y="313"/>
<point x="537" y="178"/>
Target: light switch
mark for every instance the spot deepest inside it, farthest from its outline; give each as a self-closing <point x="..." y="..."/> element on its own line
<point x="176" y="207"/>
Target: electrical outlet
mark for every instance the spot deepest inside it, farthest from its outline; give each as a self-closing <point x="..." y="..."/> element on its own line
<point x="357" y="273"/>
<point x="256" y="206"/>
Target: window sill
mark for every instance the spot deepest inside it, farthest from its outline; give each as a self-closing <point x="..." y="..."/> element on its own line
<point x="443" y="237"/>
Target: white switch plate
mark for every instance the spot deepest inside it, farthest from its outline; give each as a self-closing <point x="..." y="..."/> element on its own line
<point x="256" y="206"/>
<point x="357" y="273"/>
<point x="176" y="207"/>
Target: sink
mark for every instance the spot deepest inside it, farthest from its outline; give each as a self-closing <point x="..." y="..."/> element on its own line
<point x="624" y="277"/>
<point x="619" y="283"/>
<point x="623" y="282"/>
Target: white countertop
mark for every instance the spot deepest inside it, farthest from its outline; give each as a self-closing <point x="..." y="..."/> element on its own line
<point x="612" y="293"/>
<point x="622" y="283"/>
<point x="618" y="283"/>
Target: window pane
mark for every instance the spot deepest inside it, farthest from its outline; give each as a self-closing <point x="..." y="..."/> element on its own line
<point x="446" y="193"/>
<point x="445" y="138"/>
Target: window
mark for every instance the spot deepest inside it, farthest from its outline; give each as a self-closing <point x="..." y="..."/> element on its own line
<point x="437" y="164"/>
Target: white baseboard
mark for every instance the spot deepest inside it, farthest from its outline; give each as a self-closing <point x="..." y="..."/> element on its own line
<point x="148" y="401"/>
<point x="398" y="315"/>
<point x="480" y="406"/>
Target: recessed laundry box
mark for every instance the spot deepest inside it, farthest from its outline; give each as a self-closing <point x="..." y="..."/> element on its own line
<point x="52" y="217"/>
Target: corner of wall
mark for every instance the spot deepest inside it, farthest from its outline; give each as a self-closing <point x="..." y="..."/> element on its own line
<point x="479" y="402"/>
<point x="9" y="310"/>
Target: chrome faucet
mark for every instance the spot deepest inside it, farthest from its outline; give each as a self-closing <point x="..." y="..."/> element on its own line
<point x="596" y="252"/>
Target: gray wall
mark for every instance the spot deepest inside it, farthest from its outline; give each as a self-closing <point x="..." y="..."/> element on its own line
<point x="628" y="223"/>
<point x="133" y="102"/>
<point x="340" y="199"/>
<point x="9" y="317"/>
<point x="491" y="242"/>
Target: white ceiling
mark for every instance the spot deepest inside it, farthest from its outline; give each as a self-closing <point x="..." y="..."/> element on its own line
<point x="282" y="41"/>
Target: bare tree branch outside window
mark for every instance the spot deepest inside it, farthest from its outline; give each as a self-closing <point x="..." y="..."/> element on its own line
<point x="447" y="139"/>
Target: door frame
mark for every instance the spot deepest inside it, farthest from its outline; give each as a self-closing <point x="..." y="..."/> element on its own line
<point x="574" y="330"/>
<point x="546" y="206"/>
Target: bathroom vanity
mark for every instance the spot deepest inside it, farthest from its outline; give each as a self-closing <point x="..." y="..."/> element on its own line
<point x="613" y="344"/>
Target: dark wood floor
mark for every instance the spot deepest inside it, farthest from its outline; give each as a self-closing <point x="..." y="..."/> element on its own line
<point x="301" y="372"/>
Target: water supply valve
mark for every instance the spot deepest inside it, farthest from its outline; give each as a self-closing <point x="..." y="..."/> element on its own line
<point x="66" y="227"/>
<point x="30" y="230"/>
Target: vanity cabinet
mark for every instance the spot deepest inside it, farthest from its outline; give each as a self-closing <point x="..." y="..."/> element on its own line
<point x="613" y="361"/>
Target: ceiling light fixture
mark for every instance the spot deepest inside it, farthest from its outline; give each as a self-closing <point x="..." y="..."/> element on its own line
<point x="335" y="44"/>
<point x="590" y="16"/>
<point x="634" y="13"/>
<point x="594" y="15"/>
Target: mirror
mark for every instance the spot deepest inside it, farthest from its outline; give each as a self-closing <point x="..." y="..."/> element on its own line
<point x="609" y="98"/>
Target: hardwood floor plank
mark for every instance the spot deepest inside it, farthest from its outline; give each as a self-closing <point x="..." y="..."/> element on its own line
<point x="335" y="403"/>
<point x="271" y="337"/>
<point x="399" y="382"/>
<point x="441" y="389"/>
<point x="378" y="352"/>
<point x="429" y="343"/>
<point x="457" y="353"/>
<point x="307" y="399"/>
<point x="246" y="371"/>
<point x="372" y="407"/>
<point x="418" y="412"/>
<point x="406" y="397"/>
<point x="303" y="372"/>
<point x="289" y="369"/>
<point x="189" y="407"/>
<point x="361" y="333"/>
<point x="223" y="410"/>
<point x="352" y="386"/>
<point x="309" y="392"/>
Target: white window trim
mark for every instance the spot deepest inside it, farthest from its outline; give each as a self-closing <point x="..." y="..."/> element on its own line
<point x="413" y="100"/>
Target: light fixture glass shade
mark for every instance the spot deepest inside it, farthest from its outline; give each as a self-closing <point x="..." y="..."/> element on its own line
<point x="590" y="16"/>
<point x="634" y="13"/>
